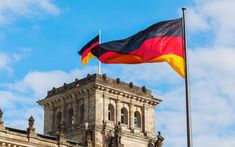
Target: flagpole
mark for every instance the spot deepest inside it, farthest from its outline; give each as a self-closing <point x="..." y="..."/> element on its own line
<point x="99" y="63"/>
<point x="188" y="105"/>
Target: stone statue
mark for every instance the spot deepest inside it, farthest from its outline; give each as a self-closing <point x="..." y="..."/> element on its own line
<point x="151" y="143"/>
<point x="109" y="138"/>
<point x="60" y="133"/>
<point x="31" y="124"/>
<point x="89" y="142"/>
<point x="117" y="133"/>
<point x="89" y="138"/>
<point x="159" y="141"/>
<point x="115" y="141"/>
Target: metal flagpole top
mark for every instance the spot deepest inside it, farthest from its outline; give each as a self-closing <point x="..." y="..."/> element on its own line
<point x="99" y="63"/>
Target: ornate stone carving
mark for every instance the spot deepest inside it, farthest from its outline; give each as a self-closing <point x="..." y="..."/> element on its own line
<point x="104" y="76"/>
<point x="31" y="129"/>
<point x="117" y="133"/>
<point x="151" y="143"/>
<point x="118" y="80"/>
<point x="144" y="89"/>
<point x="131" y="85"/>
<point x="60" y="133"/>
<point x="31" y="124"/>
<point x="114" y="140"/>
<point x="89" y="138"/>
<point x="159" y="141"/>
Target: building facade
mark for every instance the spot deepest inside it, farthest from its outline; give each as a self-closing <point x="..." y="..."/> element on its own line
<point x="95" y="111"/>
<point x="103" y="108"/>
<point x="11" y="137"/>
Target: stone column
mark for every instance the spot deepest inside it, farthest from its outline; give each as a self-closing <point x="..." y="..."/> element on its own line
<point x="118" y="111"/>
<point x="131" y="116"/>
<point x="53" y="110"/>
<point x="144" y="119"/>
<point x="86" y="108"/>
<point x="105" y="106"/>
<point x="75" y="112"/>
<point x="47" y="119"/>
<point x="64" y="112"/>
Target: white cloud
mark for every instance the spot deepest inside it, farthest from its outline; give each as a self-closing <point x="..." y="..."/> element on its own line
<point x="21" y="121"/>
<point x="38" y="82"/>
<point x="21" y="97"/>
<point x="217" y="14"/>
<point x="212" y="75"/>
<point x="196" y="21"/>
<point x="5" y="61"/>
<point x="11" y="9"/>
<point x="212" y="82"/>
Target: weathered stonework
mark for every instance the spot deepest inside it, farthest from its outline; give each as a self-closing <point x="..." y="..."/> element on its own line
<point x="96" y="111"/>
<point x="94" y="105"/>
<point x="11" y="137"/>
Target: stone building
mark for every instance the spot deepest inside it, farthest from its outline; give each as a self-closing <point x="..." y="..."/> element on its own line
<point x="97" y="111"/>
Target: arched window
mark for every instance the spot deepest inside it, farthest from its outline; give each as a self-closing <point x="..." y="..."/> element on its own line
<point x="81" y="113"/>
<point x="70" y="117"/>
<point x="111" y="112"/>
<point x="124" y="116"/>
<point x="58" y="118"/>
<point x="137" y="119"/>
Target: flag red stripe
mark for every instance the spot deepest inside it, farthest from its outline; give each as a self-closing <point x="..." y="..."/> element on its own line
<point x="149" y="49"/>
<point x="85" y="53"/>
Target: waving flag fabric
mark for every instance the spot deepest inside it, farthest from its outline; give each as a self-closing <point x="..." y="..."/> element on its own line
<point x="161" y="42"/>
<point x="85" y="52"/>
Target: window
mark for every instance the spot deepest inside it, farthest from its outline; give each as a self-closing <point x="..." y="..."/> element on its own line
<point x="137" y="120"/>
<point x="110" y="112"/>
<point x="70" y="117"/>
<point x="124" y="116"/>
<point x="58" y="117"/>
<point x="81" y="113"/>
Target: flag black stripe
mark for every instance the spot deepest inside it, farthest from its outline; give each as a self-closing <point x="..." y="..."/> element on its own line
<point x="94" y="40"/>
<point x="170" y="28"/>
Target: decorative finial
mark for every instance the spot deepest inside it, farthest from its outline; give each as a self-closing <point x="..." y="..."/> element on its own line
<point x="131" y="85"/>
<point x="104" y="76"/>
<point x="31" y="124"/>
<point x="31" y="129"/>
<point x="88" y="76"/>
<point x="144" y="89"/>
<point x="117" y="80"/>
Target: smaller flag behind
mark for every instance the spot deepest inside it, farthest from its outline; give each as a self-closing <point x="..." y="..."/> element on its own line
<point x="85" y="52"/>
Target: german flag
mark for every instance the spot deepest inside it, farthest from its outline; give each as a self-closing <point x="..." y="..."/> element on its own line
<point x="161" y="42"/>
<point x="85" y="52"/>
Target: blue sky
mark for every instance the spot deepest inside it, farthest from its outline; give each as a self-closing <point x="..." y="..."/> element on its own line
<point x="39" y="40"/>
